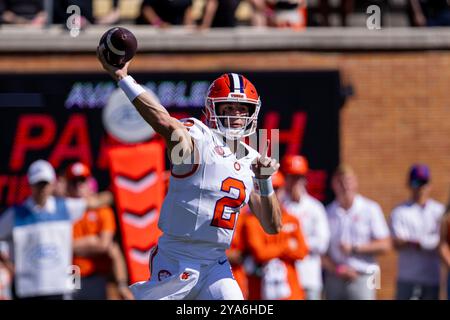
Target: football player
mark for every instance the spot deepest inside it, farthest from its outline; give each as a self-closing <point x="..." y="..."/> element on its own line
<point x="214" y="174"/>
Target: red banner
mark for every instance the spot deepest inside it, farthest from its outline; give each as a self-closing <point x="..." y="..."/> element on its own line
<point x="137" y="178"/>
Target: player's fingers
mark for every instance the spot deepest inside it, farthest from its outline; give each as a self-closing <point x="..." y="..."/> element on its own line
<point x="263" y="162"/>
<point x="277" y="166"/>
<point x="273" y="163"/>
<point x="266" y="149"/>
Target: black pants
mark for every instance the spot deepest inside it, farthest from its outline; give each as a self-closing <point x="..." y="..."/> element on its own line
<point x="48" y="297"/>
<point x="416" y="291"/>
<point x="92" y="288"/>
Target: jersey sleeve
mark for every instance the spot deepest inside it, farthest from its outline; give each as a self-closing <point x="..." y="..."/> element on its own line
<point x="300" y="250"/>
<point x="107" y="220"/>
<point x="201" y="137"/>
<point x="263" y="247"/>
<point x="379" y="226"/>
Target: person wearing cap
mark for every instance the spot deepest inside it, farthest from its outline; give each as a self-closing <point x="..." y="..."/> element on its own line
<point x="415" y="227"/>
<point x="311" y="214"/>
<point x="95" y="250"/>
<point x="444" y="246"/>
<point x="245" y="270"/>
<point x="40" y="234"/>
<point x="275" y="256"/>
<point x="359" y="233"/>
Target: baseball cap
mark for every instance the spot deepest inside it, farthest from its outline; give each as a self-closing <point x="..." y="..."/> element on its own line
<point x="40" y="171"/>
<point x="294" y="164"/>
<point x="419" y="174"/>
<point x="78" y="170"/>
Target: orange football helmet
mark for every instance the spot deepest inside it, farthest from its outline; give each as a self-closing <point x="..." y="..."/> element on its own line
<point x="232" y="87"/>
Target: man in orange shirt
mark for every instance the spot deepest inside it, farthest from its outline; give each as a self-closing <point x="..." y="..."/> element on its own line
<point x="277" y="255"/>
<point x="242" y="264"/>
<point x="94" y="248"/>
<point x="237" y="253"/>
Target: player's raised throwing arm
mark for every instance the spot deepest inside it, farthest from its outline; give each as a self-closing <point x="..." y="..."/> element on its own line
<point x="263" y="201"/>
<point x="151" y="110"/>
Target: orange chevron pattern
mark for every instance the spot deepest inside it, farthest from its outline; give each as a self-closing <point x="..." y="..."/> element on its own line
<point x="137" y="175"/>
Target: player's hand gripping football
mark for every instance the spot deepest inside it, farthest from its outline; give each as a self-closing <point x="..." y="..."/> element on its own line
<point x="264" y="166"/>
<point x="115" y="72"/>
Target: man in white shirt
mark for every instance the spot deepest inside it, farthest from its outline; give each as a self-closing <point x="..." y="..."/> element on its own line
<point x="40" y="235"/>
<point x="6" y="272"/>
<point x="312" y="217"/>
<point x="359" y="233"/>
<point x="415" y="226"/>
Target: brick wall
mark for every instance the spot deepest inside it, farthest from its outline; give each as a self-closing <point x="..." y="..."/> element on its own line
<point x="399" y="114"/>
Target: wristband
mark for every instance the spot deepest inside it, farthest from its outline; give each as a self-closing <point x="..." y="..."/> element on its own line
<point x="131" y="88"/>
<point x="263" y="187"/>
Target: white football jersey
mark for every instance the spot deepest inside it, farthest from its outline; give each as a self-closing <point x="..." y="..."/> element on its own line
<point x="202" y="205"/>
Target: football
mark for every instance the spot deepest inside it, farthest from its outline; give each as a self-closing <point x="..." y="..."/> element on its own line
<point x="120" y="46"/>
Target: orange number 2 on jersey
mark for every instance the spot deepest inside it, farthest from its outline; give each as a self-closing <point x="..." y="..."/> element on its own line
<point x="219" y="220"/>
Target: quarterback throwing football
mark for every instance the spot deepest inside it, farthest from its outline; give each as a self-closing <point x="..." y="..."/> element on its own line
<point x="214" y="174"/>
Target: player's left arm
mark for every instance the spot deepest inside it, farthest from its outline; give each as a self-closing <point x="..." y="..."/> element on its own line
<point x="263" y="201"/>
<point x="267" y="210"/>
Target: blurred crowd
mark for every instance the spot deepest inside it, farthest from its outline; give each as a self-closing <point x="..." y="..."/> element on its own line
<point x="61" y="242"/>
<point x="331" y="252"/>
<point x="321" y="252"/>
<point x="204" y="14"/>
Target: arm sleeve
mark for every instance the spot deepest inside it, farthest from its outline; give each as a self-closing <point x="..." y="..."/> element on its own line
<point x="196" y="128"/>
<point x="201" y="136"/>
<point x="302" y="248"/>
<point x="379" y="226"/>
<point x="261" y="250"/>
<point x="6" y="224"/>
<point x="319" y="240"/>
<point x="76" y="207"/>
<point x="430" y="240"/>
<point x="108" y="220"/>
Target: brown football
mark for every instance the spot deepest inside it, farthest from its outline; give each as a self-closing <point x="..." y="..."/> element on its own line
<point x="120" y="46"/>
